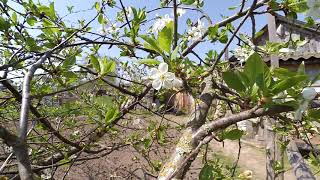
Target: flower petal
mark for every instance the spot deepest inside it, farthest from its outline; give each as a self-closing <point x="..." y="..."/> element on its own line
<point x="169" y="76"/>
<point x="156" y="84"/>
<point x="163" y="67"/>
<point x="167" y="84"/>
<point x="154" y="73"/>
<point x="177" y="83"/>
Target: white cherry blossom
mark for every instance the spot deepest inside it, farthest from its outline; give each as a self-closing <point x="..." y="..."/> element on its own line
<point x="180" y="11"/>
<point x="162" y="78"/>
<point x="242" y="53"/>
<point x="129" y="11"/>
<point x="196" y="33"/>
<point x="113" y="29"/>
<point x="160" y="23"/>
<point x="314" y="9"/>
<point x="108" y="29"/>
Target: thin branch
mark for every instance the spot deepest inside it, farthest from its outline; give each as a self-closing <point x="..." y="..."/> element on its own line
<point x="175" y="24"/>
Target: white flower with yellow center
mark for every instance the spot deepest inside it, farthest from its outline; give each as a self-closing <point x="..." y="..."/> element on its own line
<point x="162" y="78"/>
<point x="314" y="9"/>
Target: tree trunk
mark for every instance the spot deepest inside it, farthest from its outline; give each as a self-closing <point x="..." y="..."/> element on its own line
<point x="24" y="165"/>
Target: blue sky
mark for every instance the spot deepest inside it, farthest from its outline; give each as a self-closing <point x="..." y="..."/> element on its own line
<point x="214" y="8"/>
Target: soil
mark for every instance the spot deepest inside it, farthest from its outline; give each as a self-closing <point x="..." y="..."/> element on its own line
<point x="128" y="163"/>
<point x="252" y="157"/>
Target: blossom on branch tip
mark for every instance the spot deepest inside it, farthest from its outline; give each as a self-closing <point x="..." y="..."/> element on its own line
<point x="129" y="11"/>
<point x="160" y="23"/>
<point x="162" y="78"/>
<point x="196" y="32"/>
<point x="180" y="11"/>
<point x="112" y="29"/>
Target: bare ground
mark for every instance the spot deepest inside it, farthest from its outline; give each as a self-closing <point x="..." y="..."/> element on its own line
<point x="251" y="157"/>
<point x="127" y="163"/>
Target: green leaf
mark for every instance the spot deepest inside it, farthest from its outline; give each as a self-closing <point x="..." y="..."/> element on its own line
<point x="4" y="25"/>
<point x="70" y="61"/>
<point x="149" y="62"/>
<point x="263" y="81"/>
<point x="152" y="44"/>
<point x="233" y="81"/>
<point x="97" y="6"/>
<point x="103" y="101"/>
<point x="174" y="55"/>
<point x="213" y="32"/>
<point x="101" y="19"/>
<point x="14" y="18"/>
<point x="95" y="62"/>
<point x="165" y="37"/>
<point x="31" y="44"/>
<point x="206" y="172"/>
<point x="233" y="134"/>
<point x="253" y="67"/>
<point x="283" y="73"/>
<point x="288" y="83"/>
<point x="31" y="20"/>
<point x="107" y="66"/>
<point x="111" y="115"/>
<point x="314" y="114"/>
<point x="233" y="7"/>
<point x="187" y="2"/>
<point x="223" y="38"/>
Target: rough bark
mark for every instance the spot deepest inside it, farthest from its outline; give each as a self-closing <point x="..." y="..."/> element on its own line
<point x="187" y="143"/>
<point x="20" y="150"/>
<point x="191" y="138"/>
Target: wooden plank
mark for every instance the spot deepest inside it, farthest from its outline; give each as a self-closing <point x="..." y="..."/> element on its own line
<point x="300" y="168"/>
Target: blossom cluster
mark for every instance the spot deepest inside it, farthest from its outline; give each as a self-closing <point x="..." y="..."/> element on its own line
<point x="196" y="32"/>
<point x="243" y="52"/>
<point x="160" y="23"/>
<point x="162" y="78"/>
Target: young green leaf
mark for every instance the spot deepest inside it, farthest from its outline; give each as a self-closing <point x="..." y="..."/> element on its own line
<point x="254" y="67"/>
<point x="233" y="134"/>
<point x="233" y="81"/>
<point x="165" y="37"/>
<point x="95" y="62"/>
<point x="188" y="2"/>
<point x="288" y="83"/>
<point x="149" y="62"/>
<point x="206" y="172"/>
